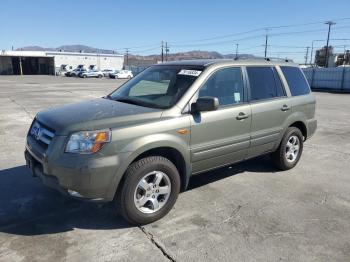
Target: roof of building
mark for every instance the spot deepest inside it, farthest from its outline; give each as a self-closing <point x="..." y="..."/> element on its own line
<point x="51" y="53"/>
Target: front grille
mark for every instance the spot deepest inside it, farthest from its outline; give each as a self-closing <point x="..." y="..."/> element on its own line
<point x="42" y="134"/>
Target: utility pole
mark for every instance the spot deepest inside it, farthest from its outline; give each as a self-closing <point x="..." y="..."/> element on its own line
<point x="307" y="54"/>
<point x="162" y="52"/>
<point x="312" y="50"/>
<point x="266" y="38"/>
<point x="166" y="51"/>
<point x="329" y="23"/>
<point x="236" y="51"/>
<point x="127" y="56"/>
<point x="20" y="66"/>
<point x="344" y="55"/>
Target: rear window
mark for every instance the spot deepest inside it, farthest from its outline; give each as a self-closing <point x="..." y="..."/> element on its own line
<point x="264" y="83"/>
<point x="297" y="83"/>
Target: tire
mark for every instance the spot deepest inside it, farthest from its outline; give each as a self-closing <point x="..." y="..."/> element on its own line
<point x="129" y="77"/>
<point x="100" y="76"/>
<point x="283" y="157"/>
<point x="84" y="76"/>
<point x="144" y="172"/>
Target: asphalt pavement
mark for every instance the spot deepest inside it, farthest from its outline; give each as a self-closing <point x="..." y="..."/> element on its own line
<point x="245" y="212"/>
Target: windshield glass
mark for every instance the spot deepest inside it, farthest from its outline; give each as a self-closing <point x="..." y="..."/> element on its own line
<point x="158" y="86"/>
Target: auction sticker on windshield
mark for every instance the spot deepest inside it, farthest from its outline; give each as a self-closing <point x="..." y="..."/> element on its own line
<point x="189" y="72"/>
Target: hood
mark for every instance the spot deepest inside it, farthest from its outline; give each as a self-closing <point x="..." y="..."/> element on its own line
<point x="94" y="115"/>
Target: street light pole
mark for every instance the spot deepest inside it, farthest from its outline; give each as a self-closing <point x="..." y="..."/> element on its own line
<point x="307" y="54"/>
<point x="329" y="23"/>
<point x="236" y="52"/>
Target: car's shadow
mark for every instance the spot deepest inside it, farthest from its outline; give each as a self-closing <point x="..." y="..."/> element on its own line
<point x="29" y="208"/>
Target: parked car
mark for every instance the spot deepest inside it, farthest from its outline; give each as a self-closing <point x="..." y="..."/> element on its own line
<point x="106" y="72"/>
<point x="77" y="72"/>
<point x="92" y="73"/>
<point x="122" y="74"/>
<point x="70" y="72"/>
<point x="139" y="145"/>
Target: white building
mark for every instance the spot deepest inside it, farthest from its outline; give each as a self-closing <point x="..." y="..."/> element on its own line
<point x="51" y="62"/>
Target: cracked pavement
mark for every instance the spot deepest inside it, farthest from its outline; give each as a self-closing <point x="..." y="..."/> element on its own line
<point x="245" y="212"/>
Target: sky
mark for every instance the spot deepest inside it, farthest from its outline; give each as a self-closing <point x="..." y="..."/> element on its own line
<point x="186" y="25"/>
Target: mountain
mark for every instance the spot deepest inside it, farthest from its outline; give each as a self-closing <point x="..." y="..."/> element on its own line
<point x="196" y="54"/>
<point x="138" y="60"/>
<point x="68" y="48"/>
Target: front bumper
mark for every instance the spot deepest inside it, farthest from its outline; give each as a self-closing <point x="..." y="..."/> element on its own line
<point x="84" y="176"/>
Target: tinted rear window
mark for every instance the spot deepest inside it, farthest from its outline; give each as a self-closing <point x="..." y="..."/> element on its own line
<point x="297" y="83"/>
<point x="264" y="83"/>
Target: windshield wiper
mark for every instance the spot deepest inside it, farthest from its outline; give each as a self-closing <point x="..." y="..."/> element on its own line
<point x="129" y="101"/>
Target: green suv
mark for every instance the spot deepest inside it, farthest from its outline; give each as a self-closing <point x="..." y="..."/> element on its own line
<point x="139" y="145"/>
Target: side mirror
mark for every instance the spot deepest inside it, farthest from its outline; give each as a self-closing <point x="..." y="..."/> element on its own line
<point x="206" y="103"/>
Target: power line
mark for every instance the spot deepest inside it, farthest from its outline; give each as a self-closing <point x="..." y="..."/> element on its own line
<point x="256" y="30"/>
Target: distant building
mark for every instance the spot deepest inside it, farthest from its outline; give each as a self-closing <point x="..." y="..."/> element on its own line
<point x="320" y="57"/>
<point x="343" y="59"/>
<point x="51" y="62"/>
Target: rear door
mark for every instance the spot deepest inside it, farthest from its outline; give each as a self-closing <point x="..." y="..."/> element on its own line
<point x="222" y="136"/>
<point x="270" y="107"/>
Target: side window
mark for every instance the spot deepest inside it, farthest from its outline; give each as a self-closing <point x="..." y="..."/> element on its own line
<point x="296" y="80"/>
<point x="264" y="83"/>
<point x="225" y="84"/>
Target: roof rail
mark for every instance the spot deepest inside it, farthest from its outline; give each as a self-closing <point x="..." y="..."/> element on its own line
<point x="277" y="59"/>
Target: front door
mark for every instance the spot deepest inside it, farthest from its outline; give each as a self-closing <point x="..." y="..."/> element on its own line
<point x="222" y="136"/>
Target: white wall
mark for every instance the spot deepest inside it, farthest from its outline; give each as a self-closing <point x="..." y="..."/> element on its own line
<point x="102" y="61"/>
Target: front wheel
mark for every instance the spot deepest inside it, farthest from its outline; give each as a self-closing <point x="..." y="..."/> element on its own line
<point x="289" y="152"/>
<point x="149" y="191"/>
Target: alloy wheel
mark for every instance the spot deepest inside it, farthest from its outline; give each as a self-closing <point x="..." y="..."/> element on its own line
<point x="152" y="192"/>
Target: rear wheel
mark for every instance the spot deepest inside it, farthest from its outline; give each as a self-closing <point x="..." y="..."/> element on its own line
<point x="289" y="152"/>
<point x="150" y="190"/>
<point x="84" y="76"/>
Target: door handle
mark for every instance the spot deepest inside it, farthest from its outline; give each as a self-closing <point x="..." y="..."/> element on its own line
<point x="241" y="116"/>
<point x="285" y="108"/>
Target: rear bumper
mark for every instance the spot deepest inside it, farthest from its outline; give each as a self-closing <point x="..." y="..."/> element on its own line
<point x="311" y="127"/>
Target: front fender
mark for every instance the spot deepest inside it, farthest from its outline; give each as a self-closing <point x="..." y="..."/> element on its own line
<point x="140" y="145"/>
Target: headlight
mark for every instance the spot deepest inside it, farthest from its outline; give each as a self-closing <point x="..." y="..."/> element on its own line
<point x="87" y="142"/>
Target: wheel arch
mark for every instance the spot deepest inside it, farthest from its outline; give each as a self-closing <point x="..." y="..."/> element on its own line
<point x="171" y="150"/>
<point x="301" y="126"/>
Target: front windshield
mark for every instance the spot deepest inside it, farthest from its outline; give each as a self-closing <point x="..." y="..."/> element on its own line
<point x="158" y="86"/>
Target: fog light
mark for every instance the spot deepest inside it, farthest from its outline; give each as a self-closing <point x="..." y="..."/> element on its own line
<point x="74" y="193"/>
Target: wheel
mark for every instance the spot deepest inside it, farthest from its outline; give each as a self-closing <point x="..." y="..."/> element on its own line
<point x="99" y="76"/>
<point x="289" y="152"/>
<point x="129" y="77"/>
<point x="84" y="76"/>
<point x="149" y="191"/>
